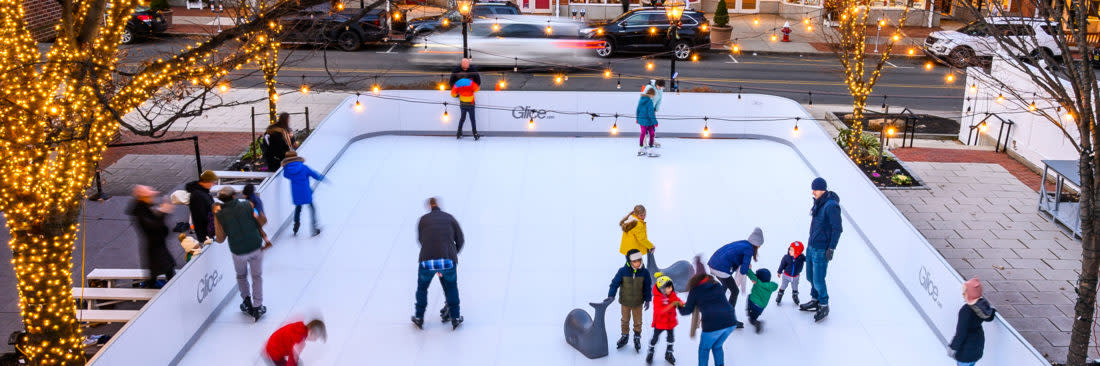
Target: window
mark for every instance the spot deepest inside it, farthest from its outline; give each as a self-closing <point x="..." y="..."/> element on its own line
<point x="505" y="10"/>
<point x="522" y="31"/>
<point x="636" y="20"/>
<point x="481" y="11"/>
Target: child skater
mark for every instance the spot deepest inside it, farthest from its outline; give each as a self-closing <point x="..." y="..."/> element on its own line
<point x="634" y="288"/>
<point x="762" y="288"/>
<point x="789" y="269"/>
<point x="664" y="315"/>
<point x="286" y="343"/>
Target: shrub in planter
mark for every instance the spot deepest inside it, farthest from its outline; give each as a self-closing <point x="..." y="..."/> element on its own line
<point x="158" y="5"/>
<point x="721" y="14"/>
<point x="869" y="148"/>
<point x="902" y="179"/>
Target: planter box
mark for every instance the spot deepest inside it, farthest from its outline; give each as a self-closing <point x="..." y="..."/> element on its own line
<point x="720" y="35"/>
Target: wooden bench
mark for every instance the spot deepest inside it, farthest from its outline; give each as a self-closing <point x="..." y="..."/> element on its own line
<point x="110" y="275"/>
<point x="105" y="316"/>
<point x="112" y="295"/>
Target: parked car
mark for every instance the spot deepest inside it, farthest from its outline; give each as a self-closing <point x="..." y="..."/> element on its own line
<point x="144" y="22"/>
<point x="646" y="30"/>
<point x="317" y="25"/>
<point x="509" y="41"/>
<point x="962" y="47"/>
<point x="452" y="18"/>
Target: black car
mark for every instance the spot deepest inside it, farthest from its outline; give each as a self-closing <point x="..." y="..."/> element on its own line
<point x="451" y="18"/>
<point x="144" y="22"/>
<point x="319" y="26"/>
<point x="646" y="30"/>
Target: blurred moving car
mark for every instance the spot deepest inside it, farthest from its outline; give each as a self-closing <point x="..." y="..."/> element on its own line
<point x="144" y="22"/>
<point x="318" y="25"/>
<point x="451" y="18"/>
<point x="963" y="47"/>
<point x="510" y="41"/>
<point x="646" y="30"/>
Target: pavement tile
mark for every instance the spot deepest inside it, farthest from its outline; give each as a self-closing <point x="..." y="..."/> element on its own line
<point x="966" y="243"/>
<point x="995" y="263"/>
<point x="1057" y="338"/>
<point x="1036" y="264"/>
<point x="1066" y="264"/>
<point x="943" y="234"/>
<point x="959" y="253"/>
<point x="947" y="225"/>
<point x="983" y="273"/>
<point x="998" y="253"/>
<point x="1009" y="285"/>
<point x="1005" y="243"/>
<point x="1034" y="253"/>
<point x="1045" y="298"/>
<point x="1039" y="311"/>
<point x="1012" y="234"/>
<point x="1062" y="322"/>
<point x="1020" y="274"/>
<point x="1059" y="274"/>
<point x="1032" y="325"/>
<point x="1047" y="285"/>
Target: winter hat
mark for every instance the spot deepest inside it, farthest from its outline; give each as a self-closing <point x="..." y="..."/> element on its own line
<point x="226" y="193"/>
<point x="972" y="290"/>
<point x="757" y="237"/>
<point x="292" y="156"/>
<point x="764" y="275"/>
<point x="634" y="255"/>
<point x="662" y="280"/>
<point x="208" y="176"/>
<point x="798" y="248"/>
<point x="819" y="184"/>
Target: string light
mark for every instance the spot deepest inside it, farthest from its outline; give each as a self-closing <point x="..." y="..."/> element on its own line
<point x="1000" y="98"/>
<point x="619" y="82"/>
<point x="442" y="86"/>
<point x="755" y="21"/>
<point x="501" y="84"/>
<point x="652" y="30"/>
<point x="928" y="66"/>
<point x="496" y="28"/>
<point x="615" y="128"/>
<point x="974" y="88"/>
<point x="223" y="86"/>
<point x="795" y="132"/>
<point x="558" y="80"/>
<point x="607" y="74"/>
<point x="774" y="37"/>
<point x="736" y="48"/>
<point x="912" y="51"/>
<point x="446" y="116"/>
<point x="376" y="89"/>
<point x="649" y="65"/>
<point x="704" y="27"/>
<point x="515" y="66"/>
<point x="950" y="78"/>
<point x="304" y="89"/>
<point x="531" y="123"/>
<point x="890" y="131"/>
<point x="1031" y="107"/>
<point x="706" y="128"/>
<point x="695" y="57"/>
<point x="358" y="105"/>
<point x="896" y="37"/>
<point x="982" y="127"/>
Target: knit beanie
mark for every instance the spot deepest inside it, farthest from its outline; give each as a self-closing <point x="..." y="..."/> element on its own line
<point x="798" y="248"/>
<point x="757" y="237"/>
<point x="972" y="289"/>
<point x="634" y="255"/>
<point x="764" y="275"/>
<point x="208" y="176"/>
<point x="819" y="184"/>
<point x="662" y="280"/>
<point x="290" y="157"/>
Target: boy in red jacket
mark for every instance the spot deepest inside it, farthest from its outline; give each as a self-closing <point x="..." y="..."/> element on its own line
<point x="665" y="303"/>
<point x="286" y="343"/>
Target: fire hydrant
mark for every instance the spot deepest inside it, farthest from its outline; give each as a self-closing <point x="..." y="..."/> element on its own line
<point x="786" y="31"/>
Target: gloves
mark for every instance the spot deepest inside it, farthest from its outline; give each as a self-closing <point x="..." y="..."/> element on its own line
<point x="678" y="304"/>
<point x="951" y="353"/>
<point x="646" y="306"/>
<point x="828" y="254"/>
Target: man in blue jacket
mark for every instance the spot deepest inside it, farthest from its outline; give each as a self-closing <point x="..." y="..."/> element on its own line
<point x="825" y="228"/>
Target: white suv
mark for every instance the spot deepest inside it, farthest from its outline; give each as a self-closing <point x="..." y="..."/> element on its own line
<point x="962" y="47"/>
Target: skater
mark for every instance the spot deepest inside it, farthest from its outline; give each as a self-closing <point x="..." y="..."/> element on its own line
<point x="465" y="70"/>
<point x="634" y="288"/>
<point x="647" y="119"/>
<point x="732" y="259"/>
<point x="705" y="294"/>
<point x="249" y="193"/>
<point x="969" y="342"/>
<point x="790" y="267"/>
<point x="235" y="221"/>
<point x="658" y="87"/>
<point x="296" y="170"/>
<point x="149" y="221"/>
<point x="440" y="240"/>
<point x="277" y="142"/>
<point x="286" y="343"/>
<point x="464" y="89"/>
<point x="634" y="232"/>
<point x="762" y="288"/>
<point x="664" y="315"/>
<point x="825" y="228"/>
<point x="201" y="204"/>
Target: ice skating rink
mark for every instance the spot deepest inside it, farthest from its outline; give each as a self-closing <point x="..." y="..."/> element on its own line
<point x="540" y="217"/>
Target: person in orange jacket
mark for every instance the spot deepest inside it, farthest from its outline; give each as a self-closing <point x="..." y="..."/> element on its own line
<point x="665" y="303"/>
<point x="634" y="232"/>
<point x="464" y="90"/>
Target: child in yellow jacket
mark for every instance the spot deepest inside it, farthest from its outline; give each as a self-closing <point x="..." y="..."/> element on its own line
<point x="634" y="232"/>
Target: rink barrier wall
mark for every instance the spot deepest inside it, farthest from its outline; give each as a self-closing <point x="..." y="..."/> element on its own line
<point x="929" y="282"/>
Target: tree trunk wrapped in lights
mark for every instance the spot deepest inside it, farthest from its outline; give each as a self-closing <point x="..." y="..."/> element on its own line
<point x="849" y="41"/>
<point x="58" y="112"/>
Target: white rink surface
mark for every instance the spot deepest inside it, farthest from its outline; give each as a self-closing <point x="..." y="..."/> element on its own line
<point x="540" y="217"/>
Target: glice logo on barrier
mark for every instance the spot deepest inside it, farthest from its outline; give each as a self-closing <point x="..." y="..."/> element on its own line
<point x="207" y="284"/>
<point x="926" y="282"/>
<point x="524" y="112"/>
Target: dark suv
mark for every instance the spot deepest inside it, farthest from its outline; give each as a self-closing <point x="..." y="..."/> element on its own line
<point x="143" y="23"/>
<point x="451" y="18"/>
<point x="317" y="25"/>
<point x="646" y="30"/>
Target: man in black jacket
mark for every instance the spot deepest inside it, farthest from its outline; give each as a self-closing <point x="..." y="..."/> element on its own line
<point x="153" y="231"/>
<point x="201" y="205"/>
<point x="465" y="71"/>
<point x="440" y="240"/>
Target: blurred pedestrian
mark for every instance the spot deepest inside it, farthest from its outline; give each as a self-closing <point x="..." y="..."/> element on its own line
<point x="149" y="219"/>
<point x="441" y="240"/>
<point x="286" y="343"/>
<point x="296" y="170"/>
<point x="201" y="204"/>
<point x="236" y="221"/>
<point x="968" y="345"/>
<point x="277" y="141"/>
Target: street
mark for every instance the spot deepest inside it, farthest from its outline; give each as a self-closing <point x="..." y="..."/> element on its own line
<point x="905" y="81"/>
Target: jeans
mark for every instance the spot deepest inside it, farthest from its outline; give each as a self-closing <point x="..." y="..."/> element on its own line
<point x="449" y="281"/>
<point x="467" y="110"/>
<point x="250" y="264"/>
<point x="712" y="342"/>
<point x="651" y="131"/>
<point x="754" y="311"/>
<point x="298" y="216"/>
<point x="816" y="268"/>
<point x="966" y="363"/>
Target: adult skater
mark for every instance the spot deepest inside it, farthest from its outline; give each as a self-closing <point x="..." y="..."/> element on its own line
<point x="718" y="321"/>
<point x="825" y="228"/>
<point x="969" y="342"/>
<point x="440" y="240"/>
<point x="465" y="70"/>
<point x="647" y="119"/>
<point x="201" y="205"/>
<point x="236" y="221"/>
<point x="465" y="90"/>
<point x="296" y="170"/>
<point x="735" y="259"/>
<point x="149" y="221"/>
<point x="277" y="142"/>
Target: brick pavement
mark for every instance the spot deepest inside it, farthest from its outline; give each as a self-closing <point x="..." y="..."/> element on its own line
<point x="982" y="218"/>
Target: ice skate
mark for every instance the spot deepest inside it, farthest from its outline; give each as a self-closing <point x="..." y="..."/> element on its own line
<point x="653" y="152"/>
<point x="445" y="314"/>
<point x="779" y="298"/>
<point x="316" y="232"/>
<point x="246" y="305"/>
<point x="756" y="325"/>
<point x="794" y="296"/>
<point x="456" y="322"/>
<point x="259" y="312"/>
<point x="642" y="151"/>
<point x="649" y="355"/>
<point x="668" y="355"/>
<point x="418" y="322"/>
<point x="822" y="312"/>
<point x="477" y="137"/>
<point x="637" y="342"/>
<point x="458" y="136"/>
<point x="622" y="341"/>
<point x="656" y="145"/>
<point x="810" y="306"/>
<point x="296" y="225"/>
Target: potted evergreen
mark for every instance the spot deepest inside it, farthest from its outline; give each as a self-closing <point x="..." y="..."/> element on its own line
<point x="721" y="31"/>
<point x="161" y="6"/>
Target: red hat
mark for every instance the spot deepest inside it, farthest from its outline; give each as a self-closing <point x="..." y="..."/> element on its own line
<point x="798" y="248"/>
<point x="972" y="289"/>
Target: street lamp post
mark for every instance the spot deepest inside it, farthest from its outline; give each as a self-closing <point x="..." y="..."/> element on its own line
<point x="674" y="9"/>
<point x="464" y="7"/>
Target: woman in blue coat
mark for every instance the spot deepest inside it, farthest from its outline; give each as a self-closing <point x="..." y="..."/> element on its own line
<point x="733" y="258"/>
<point x="296" y="170"/>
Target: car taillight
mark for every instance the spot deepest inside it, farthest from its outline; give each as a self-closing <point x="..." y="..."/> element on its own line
<point x="145" y="17"/>
<point x="579" y="44"/>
